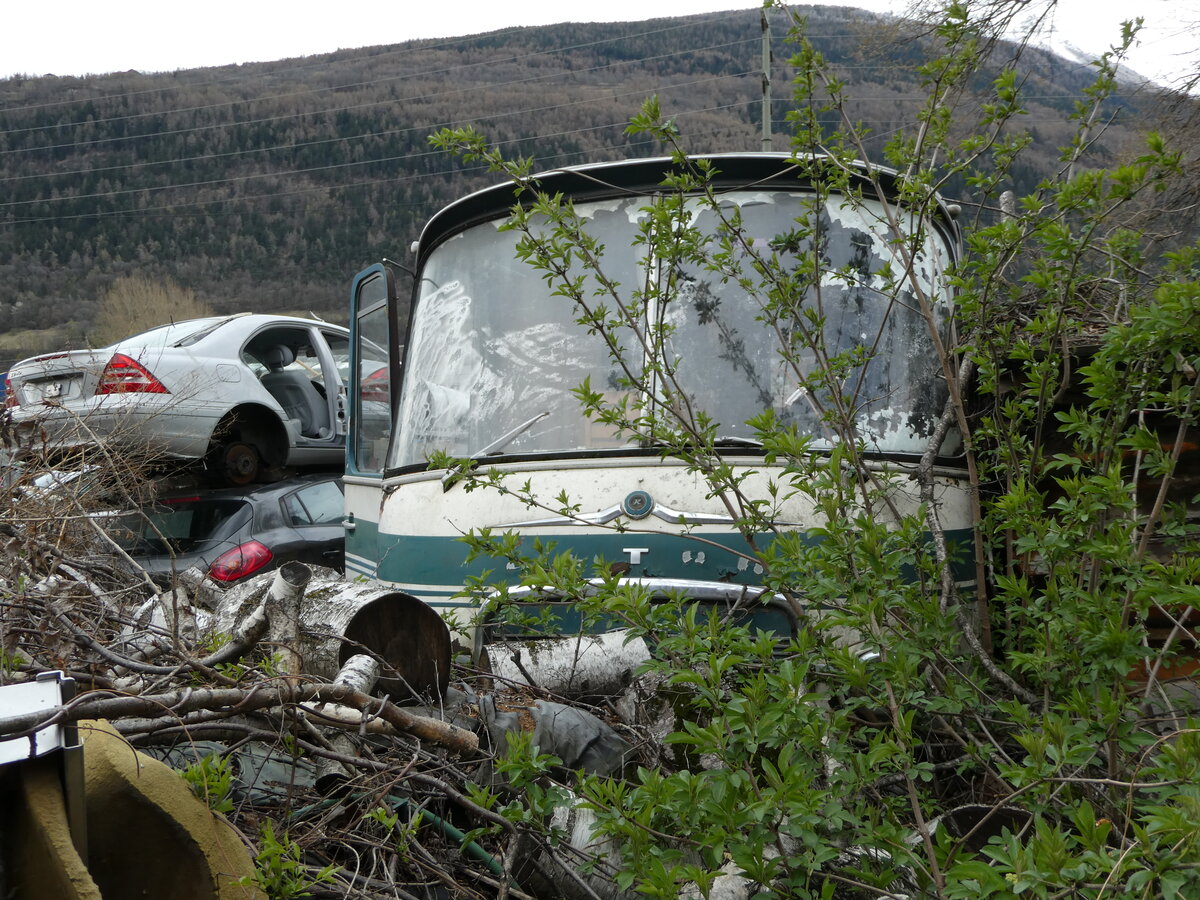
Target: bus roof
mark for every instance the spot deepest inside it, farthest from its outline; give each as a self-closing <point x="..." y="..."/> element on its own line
<point x="622" y="178"/>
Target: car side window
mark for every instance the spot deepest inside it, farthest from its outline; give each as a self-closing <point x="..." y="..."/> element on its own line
<point x="339" y="349"/>
<point x="261" y="354"/>
<point x="318" y="504"/>
<point x="308" y="361"/>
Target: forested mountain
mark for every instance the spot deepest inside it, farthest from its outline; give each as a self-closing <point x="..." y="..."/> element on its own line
<point x="266" y="186"/>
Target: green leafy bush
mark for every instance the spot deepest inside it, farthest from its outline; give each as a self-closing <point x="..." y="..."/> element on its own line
<point x="1036" y="695"/>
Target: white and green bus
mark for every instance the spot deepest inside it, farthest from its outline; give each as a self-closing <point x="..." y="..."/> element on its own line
<point x="490" y="357"/>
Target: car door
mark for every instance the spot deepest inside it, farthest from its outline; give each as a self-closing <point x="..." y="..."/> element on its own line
<point x="314" y="512"/>
<point x="333" y="346"/>
<point x="319" y="362"/>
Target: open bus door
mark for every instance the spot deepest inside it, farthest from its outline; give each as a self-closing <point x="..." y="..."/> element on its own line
<point x="374" y="379"/>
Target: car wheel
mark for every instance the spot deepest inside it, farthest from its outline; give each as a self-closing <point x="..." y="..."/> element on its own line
<point x="238" y="463"/>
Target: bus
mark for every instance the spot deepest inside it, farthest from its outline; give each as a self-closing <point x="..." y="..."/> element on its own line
<point x="468" y="351"/>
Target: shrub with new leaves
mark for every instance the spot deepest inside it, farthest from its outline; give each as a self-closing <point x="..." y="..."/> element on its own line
<point x="1046" y="713"/>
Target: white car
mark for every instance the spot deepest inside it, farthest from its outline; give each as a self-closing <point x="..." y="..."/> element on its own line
<point x="245" y="393"/>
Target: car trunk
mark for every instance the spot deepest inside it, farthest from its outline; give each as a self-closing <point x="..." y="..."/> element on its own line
<point x="58" y="377"/>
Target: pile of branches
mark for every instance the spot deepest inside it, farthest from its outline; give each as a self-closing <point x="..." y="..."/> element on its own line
<point x="359" y="794"/>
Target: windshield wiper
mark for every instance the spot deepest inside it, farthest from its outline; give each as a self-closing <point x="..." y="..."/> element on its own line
<point x="494" y="448"/>
<point x="504" y="440"/>
<point x="733" y="440"/>
<point x="723" y="442"/>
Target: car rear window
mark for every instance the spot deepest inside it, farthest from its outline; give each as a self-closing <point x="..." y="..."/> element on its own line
<point x="177" y="525"/>
<point x="176" y="334"/>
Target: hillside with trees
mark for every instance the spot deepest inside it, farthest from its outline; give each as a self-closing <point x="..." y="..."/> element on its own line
<point x="266" y="186"/>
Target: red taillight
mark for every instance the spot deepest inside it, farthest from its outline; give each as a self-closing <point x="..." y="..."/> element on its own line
<point x="375" y="386"/>
<point x="10" y="397"/>
<point x="125" y="375"/>
<point x="240" y="561"/>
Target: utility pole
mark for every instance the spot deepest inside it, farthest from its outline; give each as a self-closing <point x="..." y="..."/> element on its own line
<point x="766" y="79"/>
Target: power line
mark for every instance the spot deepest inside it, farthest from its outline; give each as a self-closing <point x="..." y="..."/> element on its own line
<point x="373" y="54"/>
<point x="392" y="132"/>
<point x="277" y="174"/>
<point x="223" y="125"/>
<point x="441" y="95"/>
<point x="140" y="213"/>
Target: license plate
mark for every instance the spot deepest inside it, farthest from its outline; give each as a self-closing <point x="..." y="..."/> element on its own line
<point x="57" y="390"/>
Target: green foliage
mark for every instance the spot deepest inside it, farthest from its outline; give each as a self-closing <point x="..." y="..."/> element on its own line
<point x="280" y="871"/>
<point x="211" y="780"/>
<point x="403" y="833"/>
<point x="259" y="662"/>
<point x="831" y="761"/>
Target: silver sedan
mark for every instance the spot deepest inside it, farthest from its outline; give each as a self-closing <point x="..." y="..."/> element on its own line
<point x="245" y="393"/>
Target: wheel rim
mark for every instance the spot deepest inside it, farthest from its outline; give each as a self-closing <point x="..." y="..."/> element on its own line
<point x="240" y="463"/>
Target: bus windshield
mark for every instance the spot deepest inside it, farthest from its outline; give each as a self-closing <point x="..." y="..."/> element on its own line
<point x="494" y="354"/>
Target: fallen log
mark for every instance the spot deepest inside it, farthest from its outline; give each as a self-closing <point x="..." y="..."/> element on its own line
<point x="237" y="701"/>
<point x="360" y="674"/>
<point x="585" y="665"/>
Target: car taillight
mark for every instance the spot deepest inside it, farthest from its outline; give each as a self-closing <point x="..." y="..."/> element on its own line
<point x="375" y="386"/>
<point x="10" y="396"/>
<point x="125" y="375"/>
<point x="241" y="561"/>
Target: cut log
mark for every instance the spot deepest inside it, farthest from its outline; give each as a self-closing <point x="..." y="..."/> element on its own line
<point x="341" y="619"/>
<point x="582" y="866"/>
<point x="283" y="605"/>
<point x="359" y="673"/>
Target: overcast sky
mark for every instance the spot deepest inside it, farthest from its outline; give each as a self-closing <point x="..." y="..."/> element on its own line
<point x="76" y="37"/>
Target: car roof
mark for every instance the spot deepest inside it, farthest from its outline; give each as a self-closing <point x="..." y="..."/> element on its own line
<point x="191" y="331"/>
<point x="250" y="492"/>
